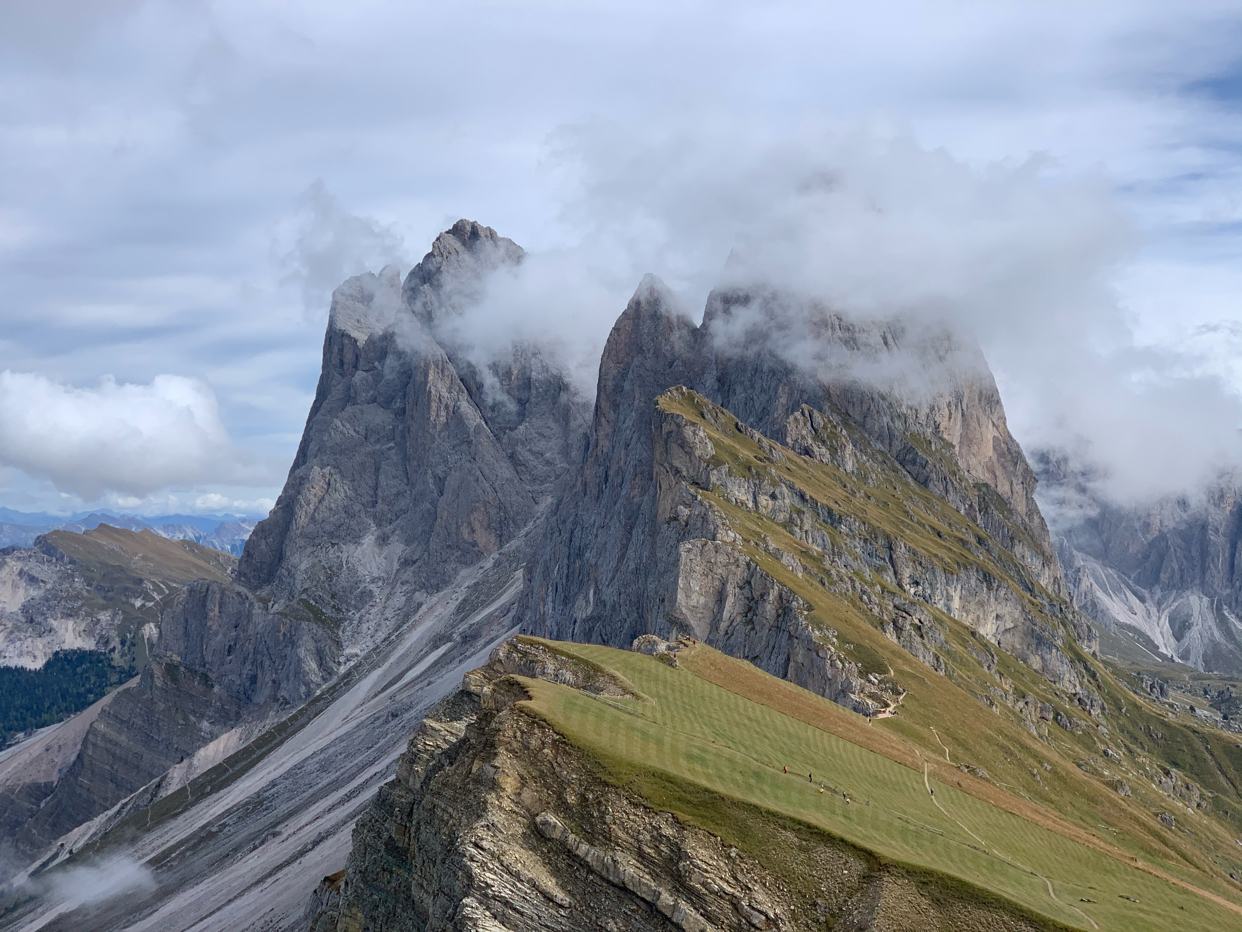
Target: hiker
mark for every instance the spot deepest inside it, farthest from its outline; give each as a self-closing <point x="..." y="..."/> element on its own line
<point x="809" y="778"/>
<point x="786" y="769"/>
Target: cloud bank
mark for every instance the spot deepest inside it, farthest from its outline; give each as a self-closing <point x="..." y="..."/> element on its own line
<point x="331" y="244"/>
<point x="156" y="155"/>
<point x="115" y="437"/>
<point x="1019" y="255"/>
<point x="73" y="887"/>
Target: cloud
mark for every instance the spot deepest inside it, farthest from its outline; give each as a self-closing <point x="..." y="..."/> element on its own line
<point x="559" y="300"/>
<point x="126" y="438"/>
<point x="94" y="883"/>
<point x="1020" y="255"/>
<point x="333" y="244"/>
<point x="157" y="155"/>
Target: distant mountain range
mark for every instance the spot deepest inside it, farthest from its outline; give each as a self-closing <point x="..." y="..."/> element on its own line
<point x="1161" y="580"/>
<point x="225" y="532"/>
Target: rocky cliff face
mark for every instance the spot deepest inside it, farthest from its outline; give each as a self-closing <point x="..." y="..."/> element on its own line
<point x="414" y="462"/>
<point x="1165" y="572"/>
<point x="924" y="396"/>
<point x="417" y="462"/>
<point x="495" y="822"/>
<point x="642" y="542"/>
<point x="258" y="663"/>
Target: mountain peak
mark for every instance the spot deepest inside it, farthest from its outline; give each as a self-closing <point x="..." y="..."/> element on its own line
<point x="450" y="274"/>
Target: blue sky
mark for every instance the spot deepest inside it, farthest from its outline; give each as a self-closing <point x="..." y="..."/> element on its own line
<point x="182" y="184"/>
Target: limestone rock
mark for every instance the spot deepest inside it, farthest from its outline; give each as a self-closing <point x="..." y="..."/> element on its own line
<point x="635" y="547"/>
<point x="496" y="823"/>
<point x="1163" y="571"/>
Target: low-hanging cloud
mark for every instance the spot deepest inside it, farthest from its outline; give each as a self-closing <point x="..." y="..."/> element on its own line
<point x="85" y="885"/>
<point x="127" y="438"/>
<point x="1018" y="255"/>
<point x="332" y="244"/>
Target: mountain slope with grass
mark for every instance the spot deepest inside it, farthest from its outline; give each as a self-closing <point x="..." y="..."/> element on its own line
<point x="572" y="786"/>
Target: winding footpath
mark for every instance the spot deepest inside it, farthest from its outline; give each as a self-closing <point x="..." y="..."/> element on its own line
<point x="995" y="853"/>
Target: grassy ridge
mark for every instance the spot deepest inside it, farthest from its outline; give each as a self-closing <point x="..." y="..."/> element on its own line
<point x="1076" y="775"/>
<point x="700" y="734"/>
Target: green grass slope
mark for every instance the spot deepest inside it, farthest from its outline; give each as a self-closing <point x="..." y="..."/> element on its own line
<point x="710" y="741"/>
<point x="1110" y="778"/>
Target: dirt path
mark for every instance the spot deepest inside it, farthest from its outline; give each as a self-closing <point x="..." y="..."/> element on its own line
<point x="941" y="743"/>
<point x="936" y="803"/>
<point x="995" y="853"/>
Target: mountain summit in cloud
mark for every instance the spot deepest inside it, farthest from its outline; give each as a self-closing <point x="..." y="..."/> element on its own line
<point x="505" y="658"/>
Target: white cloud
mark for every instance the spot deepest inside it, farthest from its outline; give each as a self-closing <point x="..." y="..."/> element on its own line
<point x="73" y="887"/>
<point x="1021" y="254"/>
<point x="215" y="502"/>
<point x="332" y="244"/>
<point x="164" y="148"/>
<point x="124" y="438"/>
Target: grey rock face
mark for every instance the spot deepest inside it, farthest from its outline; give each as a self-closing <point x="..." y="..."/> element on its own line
<point x="925" y="397"/>
<point x="35" y="621"/>
<point x="634" y="546"/>
<point x="1165" y="571"/>
<point x="220" y="660"/>
<point x="253" y="657"/>
<point x="495" y="822"/>
<point x="415" y="464"/>
<point x="143" y="731"/>
<point x="412" y="457"/>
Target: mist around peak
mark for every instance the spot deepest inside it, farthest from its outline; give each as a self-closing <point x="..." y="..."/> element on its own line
<point x="865" y="224"/>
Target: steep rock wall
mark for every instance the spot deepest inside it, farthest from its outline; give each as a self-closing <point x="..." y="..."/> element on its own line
<point x="620" y="557"/>
<point x="1166" y="571"/>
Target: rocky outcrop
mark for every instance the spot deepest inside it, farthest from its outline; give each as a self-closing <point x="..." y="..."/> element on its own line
<point x="923" y="395"/>
<point x="1164" y="572"/>
<point x="420" y="459"/>
<point x="143" y="731"/>
<point x="220" y="660"/>
<point x="95" y="591"/>
<point x="416" y="460"/>
<point x="495" y="822"/>
<point x="637" y="544"/>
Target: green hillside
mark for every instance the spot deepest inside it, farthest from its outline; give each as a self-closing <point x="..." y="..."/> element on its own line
<point x="1132" y="774"/>
<point x="711" y="738"/>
